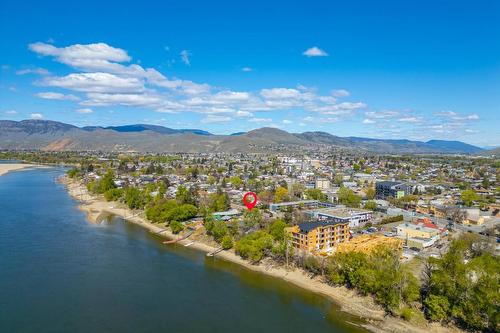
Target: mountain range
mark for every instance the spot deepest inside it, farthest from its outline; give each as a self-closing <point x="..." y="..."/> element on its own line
<point x="56" y="136"/>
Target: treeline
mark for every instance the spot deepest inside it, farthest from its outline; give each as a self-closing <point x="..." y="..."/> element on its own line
<point x="463" y="286"/>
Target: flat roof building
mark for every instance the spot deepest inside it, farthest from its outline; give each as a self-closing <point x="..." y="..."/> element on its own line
<point x="318" y="236"/>
<point x="353" y="216"/>
<point x="391" y="189"/>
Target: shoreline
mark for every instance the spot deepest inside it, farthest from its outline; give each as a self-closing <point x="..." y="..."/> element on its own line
<point x="364" y="307"/>
<point x="11" y="167"/>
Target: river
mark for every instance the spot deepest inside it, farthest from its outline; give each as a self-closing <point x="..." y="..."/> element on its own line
<point x="59" y="273"/>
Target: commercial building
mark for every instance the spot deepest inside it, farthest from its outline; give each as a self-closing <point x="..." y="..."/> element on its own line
<point x="323" y="184"/>
<point x="390" y="189"/>
<point x="303" y="204"/>
<point x="352" y="216"/>
<point x="318" y="236"/>
<point x="414" y="230"/>
<point x="417" y="235"/>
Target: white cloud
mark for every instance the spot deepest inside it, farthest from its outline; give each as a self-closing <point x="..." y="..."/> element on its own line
<point x="243" y="114"/>
<point x="382" y="114"/>
<point x="185" y="57"/>
<point x="286" y="121"/>
<point x="216" y="119"/>
<point x="11" y="112"/>
<point x="409" y="119"/>
<point x="456" y="116"/>
<point x="96" y="82"/>
<point x="280" y="93"/>
<point x="368" y="121"/>
<point x="315" y="52"/>
<point x="260" y="120"/>
<point x="445" y="114"/>
<point x="36" y="116"/>
<point x="38" y="71"/>
<point x="246" y="69"/>
<point x="102" y="99"/>
<point x="84" y="111"/>
<point x="105" y="80"/>
<point x="340" y="93"/>
<point x="89" y="56"/>
<point x="57" y="96"/>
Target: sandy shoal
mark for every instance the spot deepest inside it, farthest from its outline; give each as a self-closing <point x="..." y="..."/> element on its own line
<point x="4" y="168"/>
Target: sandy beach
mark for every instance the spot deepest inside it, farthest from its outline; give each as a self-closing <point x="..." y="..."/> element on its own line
<point x="4" y="168"/>
<point x="349" y="301"/>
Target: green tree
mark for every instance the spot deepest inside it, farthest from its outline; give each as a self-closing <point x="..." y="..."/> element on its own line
<point x="315" y="194"/>
<point x="468" y="197"/>
<point x="227" y="242"/>
<point x="371" y="205"/>
<point x="281" y="194"/>
<point x="106" y="182"/>
<point x="348" y="198"/>
<point x="370" y="193"/>
<point x="254" y="245"/>
<point x="277" y="229"/>
<point x="183" y="196"/>
<point x="113" y="194"/>
<point x="133" y="198"/>
<point x="176" y="226"/>
<point x="236" y="181"/>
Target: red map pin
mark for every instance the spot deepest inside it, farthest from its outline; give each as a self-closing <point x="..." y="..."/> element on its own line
<point x="250" y="202"/>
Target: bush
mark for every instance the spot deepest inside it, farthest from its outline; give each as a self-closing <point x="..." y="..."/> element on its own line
<point x="134" y="198"/>
<point x="227" y="242"/>
<point x="176" y="226"/>
<point x="392" y="219"/>
<point x="254" y="245"/>
<point x="219" y="230"/>
<point x="113" y="194"/>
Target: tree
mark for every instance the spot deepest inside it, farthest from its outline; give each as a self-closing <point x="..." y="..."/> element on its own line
<point x="254" y="245"/>
<point x="468" y="197"/>
<point x="316" y="194"/>
<point x="106" y="182"/>
<point x="236" y="181"/>
<point x="437" y="307"/>
<point x="218" y="230"/>
<point x="370" y="193"/>
<point x="348" y="198"/>
<point x="183" y="196"/>
<point x="252" y="218"/>
<point x="113" y="194"/>
<point x="176" y="226"/>
<point x="356" y="167"/>
<point x="281" y="194"/>
<point x="277" y="229"/>
<point x="134" y="198"/>
<point x="463" y="285"/>
<point x="227" y="242"/>
<point x="371" y="205"/>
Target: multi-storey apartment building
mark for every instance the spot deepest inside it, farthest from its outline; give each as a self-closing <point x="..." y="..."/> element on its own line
<point x="318" y="236"/>
<point x="389" y="189"/>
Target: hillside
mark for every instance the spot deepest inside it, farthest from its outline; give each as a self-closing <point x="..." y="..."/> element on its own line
<point x="52" y="135"/>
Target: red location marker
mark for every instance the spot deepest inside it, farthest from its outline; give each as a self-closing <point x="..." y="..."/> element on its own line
<point x="250" y="202"/>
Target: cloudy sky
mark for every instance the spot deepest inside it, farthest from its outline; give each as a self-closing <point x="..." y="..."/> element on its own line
<point x="426" y="70"/>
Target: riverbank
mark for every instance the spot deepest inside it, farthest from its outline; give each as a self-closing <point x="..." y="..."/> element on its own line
<point x="349" y="301"/>
<point x="8" y="167"/>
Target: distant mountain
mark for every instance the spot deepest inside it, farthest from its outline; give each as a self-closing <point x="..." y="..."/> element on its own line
<point x="237" y="133"/>
<point x="490" y="152"/>
<point x="52" y="135"/>
<point x="145" y="127"/>
<point x="454" y="145"/>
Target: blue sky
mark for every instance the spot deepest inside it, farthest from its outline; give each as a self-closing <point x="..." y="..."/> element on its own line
<point x="390" y="69"/>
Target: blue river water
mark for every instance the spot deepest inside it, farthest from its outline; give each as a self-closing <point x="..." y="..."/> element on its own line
<point x="60" y="273"/>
